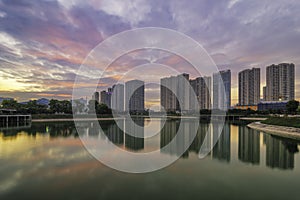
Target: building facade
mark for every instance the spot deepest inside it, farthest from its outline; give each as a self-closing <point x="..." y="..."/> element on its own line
<point x="202" y="88"/>
<point x="178" y="93"/>
<point x="222" y="90"/>
<point x="117" y="98"/>
<point x="168" y="91"/>
<point x="96" y="96"/>
<point x="272" y="105"/>
<point x="175" y="93"/>
<point x="135" y="96"/>
<point x="249" y="87"/>
<point x="280" y="82"/>
<point x="105" y="97"/>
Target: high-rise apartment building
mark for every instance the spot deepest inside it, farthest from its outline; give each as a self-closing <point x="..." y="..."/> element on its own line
<point x="249" y="87"/>
<point x="175" y="93"/>
<point x="280" y="82"/>
<point x="202" y="89"/>
<point x="135" y="96"/>
<point x="105" y="97"/>
<point x="117" y="98"/>
<point x="222" y="90"/>
<point x="265" y="93"/>
<point x="183" y="92"/>
<point x="178" y="93"/>
<point x="168" y="90"/>
<point x="96" y="96"/>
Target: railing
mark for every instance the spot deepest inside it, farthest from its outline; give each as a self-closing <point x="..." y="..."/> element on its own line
<point x="14" y="121"/>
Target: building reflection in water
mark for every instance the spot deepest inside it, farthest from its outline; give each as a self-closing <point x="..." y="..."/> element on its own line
<point x="249" y="145"/>
<point x="115" y="134"/>
<point x="221" y="150"/>
<point x="132" y="142"/>
<point x="280" y="152"/>
<point x="172" y="145"/>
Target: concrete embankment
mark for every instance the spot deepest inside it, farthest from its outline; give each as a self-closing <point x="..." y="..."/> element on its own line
<point x="282" y="131"/>
<point x="253" y="118"/>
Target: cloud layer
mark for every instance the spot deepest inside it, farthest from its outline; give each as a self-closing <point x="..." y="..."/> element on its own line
<point x="43" y="43"/>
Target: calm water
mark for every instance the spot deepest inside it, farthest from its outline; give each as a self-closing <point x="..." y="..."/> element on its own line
<point x="48" y="161"/>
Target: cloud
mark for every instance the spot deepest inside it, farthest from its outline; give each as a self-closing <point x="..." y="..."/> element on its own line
<point x="132" y="11"/>
<point x="42" y="44"/>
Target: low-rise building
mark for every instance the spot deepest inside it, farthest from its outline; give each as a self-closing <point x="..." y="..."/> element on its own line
<point x="272" y="105"/>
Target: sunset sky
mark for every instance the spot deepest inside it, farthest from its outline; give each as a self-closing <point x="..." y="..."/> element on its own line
<point x="44" y="42"/>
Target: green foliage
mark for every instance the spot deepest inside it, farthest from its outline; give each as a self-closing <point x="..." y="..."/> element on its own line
<point x="283" y="121"/>
<point x="78" y="106"/>
<point x="292" y="106"/>
<point x="103" y="109"/>
<point x="30" y="108"/>
<point x="10" y="104"/>
<point x="57" y="106"/>
<point x="95" y="107"/>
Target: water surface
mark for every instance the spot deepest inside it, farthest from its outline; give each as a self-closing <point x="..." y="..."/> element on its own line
<point x="49" y="161"/>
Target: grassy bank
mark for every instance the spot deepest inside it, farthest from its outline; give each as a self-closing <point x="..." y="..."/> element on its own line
<point x="283" y="121"/>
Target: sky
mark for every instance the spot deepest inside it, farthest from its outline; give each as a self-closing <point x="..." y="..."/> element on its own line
<point x="44" y="42"/>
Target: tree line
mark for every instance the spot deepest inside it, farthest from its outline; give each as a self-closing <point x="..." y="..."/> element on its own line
<point x="56" y="107"/>
<point x="65" y="107"/>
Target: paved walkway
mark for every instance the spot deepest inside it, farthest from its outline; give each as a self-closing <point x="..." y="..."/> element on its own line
<point x="282" y="131"/>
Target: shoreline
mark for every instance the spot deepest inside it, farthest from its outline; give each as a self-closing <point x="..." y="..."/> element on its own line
<point x="282" y="131"/>
<point x="72" y="119"/>
<point x="101" y="118"/>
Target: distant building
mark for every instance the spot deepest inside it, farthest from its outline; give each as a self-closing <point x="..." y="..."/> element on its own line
<point x="105" y="97"/>
<point x="222" y="90"/>
<point x="183" y="92"/>
<point x="249" y="87"/>
<point x="135" y="96"/>
<point x="168" y="90"/>
<point x="272" y="105"/>
<point x="202" y="89"/>
<point x="265" y="93"/>
<point x="117" y="98"/>
<point x="246" y="107"/>
<point x="175" y="93"/>
<point x="280" y="82"/>
<point x="96" y="97"/>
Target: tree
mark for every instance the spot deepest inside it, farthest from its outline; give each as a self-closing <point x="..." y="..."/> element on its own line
<point x="95" y="107"/>
<point x="33" y="108"/>
<point x="292" y="106"/>
<point x="10" y="104"/>
<point x="78" y="106"/>
<point x="54" y="106"/>
<point x="93" y="104"/>
<point x="57" y="106"/>
<point x="103" y="109"/>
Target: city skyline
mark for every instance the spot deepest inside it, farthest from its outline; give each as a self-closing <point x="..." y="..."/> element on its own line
<point x="207" y="90"/>
<point x="176" y="92"/>
<point x="41" y="51"/>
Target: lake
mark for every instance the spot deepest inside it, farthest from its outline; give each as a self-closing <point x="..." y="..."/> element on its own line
<point x="49" y="161"/>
